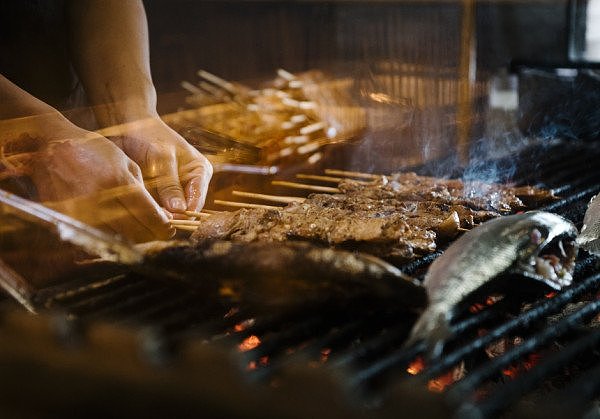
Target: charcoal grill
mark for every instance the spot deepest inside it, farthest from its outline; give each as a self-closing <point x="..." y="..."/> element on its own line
<point x="122" y="341"/>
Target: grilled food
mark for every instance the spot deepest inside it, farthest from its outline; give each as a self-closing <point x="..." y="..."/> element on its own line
<point x="589" y="238"/>
<point x="397" y="218"/>
<point x="537" y="245"/>
<point x="283" y="274"/>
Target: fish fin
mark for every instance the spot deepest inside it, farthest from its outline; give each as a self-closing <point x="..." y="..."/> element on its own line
<point x="433" y="328"/>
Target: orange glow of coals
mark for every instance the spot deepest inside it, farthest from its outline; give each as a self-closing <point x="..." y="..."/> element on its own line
<point x="476" y="308"/>
<point x="325" y="352"/>
<point x="439" y="384"/>
<point x="249" y="343"/>
<point x="240" y="327"/>
<point x="550" y="294"/>
<point x="490" y="301"/>
<point x="530" y="362"/>
<point x="511" y="372"/>
<point x="416" y="366"/>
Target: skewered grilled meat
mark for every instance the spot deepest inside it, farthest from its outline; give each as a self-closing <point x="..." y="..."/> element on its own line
<point x="475" y="195"/>
<point x="398" y="219"/>
<point x="389" y="237"/>
<point x="285" y="273"/>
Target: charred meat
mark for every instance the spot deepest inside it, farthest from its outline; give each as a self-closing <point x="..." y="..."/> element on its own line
<point x="492" y="258"/>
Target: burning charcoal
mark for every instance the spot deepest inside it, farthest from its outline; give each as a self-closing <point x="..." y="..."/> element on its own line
<point x="537" y="245"/>
<point x="273" y="274"/>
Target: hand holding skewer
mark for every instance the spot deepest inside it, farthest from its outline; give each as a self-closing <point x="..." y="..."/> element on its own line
<point x="174" y="172"/>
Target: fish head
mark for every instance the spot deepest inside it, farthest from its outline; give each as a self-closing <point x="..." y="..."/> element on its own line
<point x="546" y="248"/>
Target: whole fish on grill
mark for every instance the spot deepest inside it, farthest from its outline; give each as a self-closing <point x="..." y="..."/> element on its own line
<point x="589" y="237"/>
<point x="495" y="257"/>
<point x="281" y="274"/>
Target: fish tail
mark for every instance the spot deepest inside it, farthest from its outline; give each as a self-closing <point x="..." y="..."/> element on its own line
<point x="433" y="328"/>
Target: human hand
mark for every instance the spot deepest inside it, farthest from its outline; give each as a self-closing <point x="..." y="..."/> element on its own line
<point x="84" y="175"/>
<point x="174" y="172"/>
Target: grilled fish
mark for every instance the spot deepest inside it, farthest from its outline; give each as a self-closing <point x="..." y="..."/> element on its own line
<point x="589" y="238"/>
<point x="537" y="245"/>
<point x="282" y="274"/>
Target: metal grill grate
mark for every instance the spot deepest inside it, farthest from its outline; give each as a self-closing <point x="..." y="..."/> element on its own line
<point x="360" y="344"/>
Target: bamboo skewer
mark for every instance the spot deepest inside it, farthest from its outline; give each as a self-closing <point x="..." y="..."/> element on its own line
<point x="243" y="204"/>
<point x="272" y="198"/>
<point x="326" y="178"/>
<point x="346" y="173"/>
<point x="296" y="185"/>
<point x="196" y="214"/>
<point x="211" y="212"/>
<point x="178" y="223"/>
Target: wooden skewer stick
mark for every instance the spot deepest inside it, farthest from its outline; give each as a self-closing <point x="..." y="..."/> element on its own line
<point x="230" y="87"/>
<point x="185" y="222"/>
<point x="320" y="177"/>
<point x="461" y="229"/>
<point x="243" y="204"/>
<point x="346" y="173"/>
<point x="272" y="198"/>
<point x="296" y="185"/>
<point x="196" y="214"/>
<point x="211" y="212"/>
<point x="191" y="88"/>
<point x="326" y="178"/>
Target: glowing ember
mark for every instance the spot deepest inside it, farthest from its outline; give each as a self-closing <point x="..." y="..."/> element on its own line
<point x="476" y="308"/>
<point x="530" y="362"/>
<point x="243" y="325"/>
<point x="491" y="300"/>
<point x="249" y="343"/>
<point x="251" y="366"/>
<point x="325" y="354"/>
<point x="440" y="384"/>
<point x="263" y="361"/>
<point x="550" y="294"/>
<point x="511" y="372"/>
<point x="416" y="366"/>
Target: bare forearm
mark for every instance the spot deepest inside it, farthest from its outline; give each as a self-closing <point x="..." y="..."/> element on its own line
<point x="17" y="103"/>
<point x="20" y="112"/>
<point x="110" y="44"/>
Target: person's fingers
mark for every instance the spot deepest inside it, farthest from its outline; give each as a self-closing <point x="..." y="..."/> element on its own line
<point x="196" y="175"/>
<point x="142" y="208"/>
<point x="165" y="181"/>
<point x="133" y="213"/>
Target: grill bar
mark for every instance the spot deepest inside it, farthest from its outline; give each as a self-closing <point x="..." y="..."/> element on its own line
<point x="468" y="384"/>
<point x="538" y="312"/>
<point x="507" y="395"/>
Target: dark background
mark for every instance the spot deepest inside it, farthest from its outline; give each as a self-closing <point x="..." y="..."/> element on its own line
<point x="242" y="40"/>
